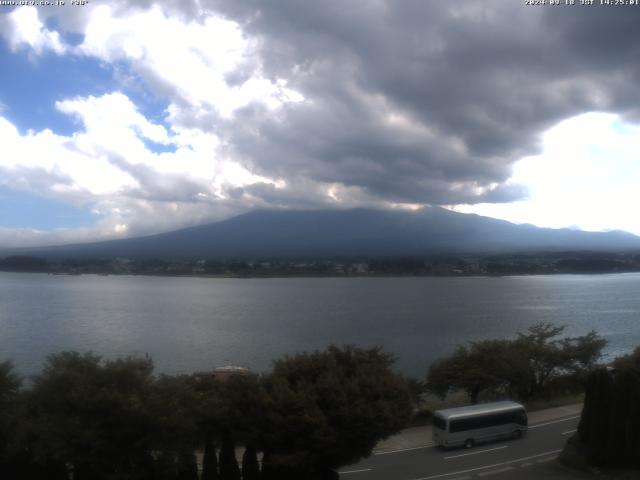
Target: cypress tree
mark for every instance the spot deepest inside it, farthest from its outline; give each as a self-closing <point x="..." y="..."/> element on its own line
<point x="599" y="415"/>
<point x="250" y="466"/>
<point x="229" y="469"/>
<point x="187" y="466"/>
<point x="210" y="460"/>
<point x="611" y="415"/>
<point x="267" y="472"/>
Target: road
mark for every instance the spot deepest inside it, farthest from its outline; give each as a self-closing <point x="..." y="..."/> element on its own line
<point x="502" y="459"/>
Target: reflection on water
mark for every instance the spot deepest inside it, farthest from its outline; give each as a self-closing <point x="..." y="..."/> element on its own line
<point x="189" y="324"/>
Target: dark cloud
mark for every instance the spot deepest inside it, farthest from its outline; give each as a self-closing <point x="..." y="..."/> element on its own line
<point x="406" y="100"/>
<point x="428" y="102"/>
<point x="155" y="186"/>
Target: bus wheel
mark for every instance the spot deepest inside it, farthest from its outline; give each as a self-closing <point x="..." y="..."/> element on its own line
<point x="468" y="443"/>
<point x="516" y="434"/>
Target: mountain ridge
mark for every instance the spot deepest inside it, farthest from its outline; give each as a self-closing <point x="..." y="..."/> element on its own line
<point x="344" y="233"/>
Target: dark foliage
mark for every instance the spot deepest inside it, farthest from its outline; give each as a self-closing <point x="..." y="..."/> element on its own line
<point x="209" y="460"/>
<point x="328" y="409"/>
<point x="536" y="364"/>
<point x="229" y="469"/>
<point x="250" y="465"/>
<point x="610" y="422"/>
<point x="112" y="420"/>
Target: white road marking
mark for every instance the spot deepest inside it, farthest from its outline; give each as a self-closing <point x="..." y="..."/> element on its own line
<point x="428" y="445"/>
<point x="355" y="471"/>
<point x="475" y="453"/>
<point x="489" y="466"/>
<point x="569" y="431"/>
<point x="554" y="421"/>
<point x="543" y="460"/>
<point x="495" y="472"/>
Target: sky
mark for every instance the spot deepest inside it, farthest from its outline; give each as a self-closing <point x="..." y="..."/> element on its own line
<point x="126" y="118"/>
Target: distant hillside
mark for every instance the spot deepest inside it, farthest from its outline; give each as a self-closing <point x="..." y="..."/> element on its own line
<point x="349" y="233"/>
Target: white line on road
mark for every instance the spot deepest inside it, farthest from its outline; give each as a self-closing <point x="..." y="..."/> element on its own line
<point x="489" y="466"/>
<point x="475" y="453"/>
<point x="554" y="421"/>
<point x="569" y="431"/>
<point x="495" y="472"/>
<point x="355" y="471"/>
<point x="428" y="445"/>
<point x="543" y="460"/>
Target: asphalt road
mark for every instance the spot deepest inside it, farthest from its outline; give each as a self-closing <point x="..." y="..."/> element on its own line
<point x="503" y="459"/>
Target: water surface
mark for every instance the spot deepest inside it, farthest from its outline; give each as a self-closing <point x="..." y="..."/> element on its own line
<point x="189" y="324"/>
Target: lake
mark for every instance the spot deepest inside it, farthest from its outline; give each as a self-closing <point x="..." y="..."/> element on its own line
<point x="189" y="324"/>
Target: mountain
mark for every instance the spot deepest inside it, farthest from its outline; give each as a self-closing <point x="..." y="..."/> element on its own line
<point x="350" y="233"/>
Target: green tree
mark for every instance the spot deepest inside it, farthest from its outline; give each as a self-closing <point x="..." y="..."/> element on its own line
<point x="229" y="469"/>
<point x="546" y="356"/>
<point x="523" y="367"/>
<point x="608" y="427"/>
<point x="240" y="408"/>
<point x="328" y="409"/>
<point x="209" y="459"/>
<point x="11" y="428"/>
<point x="93" y="415"/>
<point x="482" y="366"/>
<point x="178" y="405"/>
<point x="250" y="465"/>
<point x="187" y="466"/>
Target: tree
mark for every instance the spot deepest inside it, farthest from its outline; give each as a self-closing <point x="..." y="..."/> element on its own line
<point x="9" y="422"/>
<point x="178" y="404"/>
<point x="187" y="466"/>
<point x="209" y="459"/>
<point x="482" y="366"/>
<point x="610" y="418"/>
<point x="595" y="420"/>
<point x="522" y="367"/>
<point x="93" y="415"/>
<point x="546" y="356"/>
<point x="229" y="469"/>
<point x="328" y="409"/>
<point x="250" y="465"/>
<point x="240" y="409"/>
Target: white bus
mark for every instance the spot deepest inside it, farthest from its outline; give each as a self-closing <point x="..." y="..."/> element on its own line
<point x="466" y="426"/>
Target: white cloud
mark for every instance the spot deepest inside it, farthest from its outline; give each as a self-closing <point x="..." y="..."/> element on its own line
<point x="23" y="27"/>
<point x="189" y="61"/>
<point x="108" y="166"/>
<point x="587" y="176"/>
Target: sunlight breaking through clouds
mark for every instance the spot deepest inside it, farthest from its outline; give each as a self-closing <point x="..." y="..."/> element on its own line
<point x="586" y="177"/>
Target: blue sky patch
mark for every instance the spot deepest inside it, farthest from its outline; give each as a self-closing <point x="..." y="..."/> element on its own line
<point x="24" y="210"/>
<point x="34" y="85"/>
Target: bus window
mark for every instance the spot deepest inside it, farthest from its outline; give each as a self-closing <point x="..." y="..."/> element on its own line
<point x="439" y="422"/>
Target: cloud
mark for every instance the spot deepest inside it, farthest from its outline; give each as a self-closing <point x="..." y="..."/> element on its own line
<point x="331" y="103"/>
<point x="425" y="102"/>
<point x="598" y="152"/>
<point x="23" y="27"/>
<point x="201" y="65"/>
<point x="107" y="165"/>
